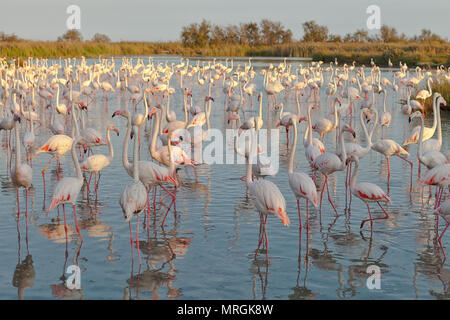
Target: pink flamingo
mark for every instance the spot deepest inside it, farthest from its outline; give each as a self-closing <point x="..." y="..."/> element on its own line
<point x="323" y="125"/>
<point x="134" y="197"/>
<point x="367" y="192"/>
<point x="388" y="148"/>
<point x="444" y="211"/>
<point x="438" y="176"/>
<point x="301" y="184"/>
<point x="68" y="188"/>
<point x="267" y="199"/>
<point x="328" y="163"/>
<point x="150" y="174"/>
<point x="313" y="147"/>
<point x="97" y="162"/>
<point x="21" y="173"/>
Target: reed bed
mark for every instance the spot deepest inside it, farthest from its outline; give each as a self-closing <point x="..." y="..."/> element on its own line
<point x="412" y="53"/>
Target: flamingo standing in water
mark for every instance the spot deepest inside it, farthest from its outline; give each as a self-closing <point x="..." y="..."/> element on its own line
<point x="444" y="211"/>
<point x="328" y="163"/>
<point x="388" y="148"/>
<point x="301" y="184"/>
<point x="134" y="197"/>
<point x="68" y="188"/>
<point x="150" y="174"/>
<point x="21" y="173"/>
<point x="97" y="162"/>
<point x="367" y="192"/>
<point x="323" y="125"/>
<point x="267" y="199"/>
<point x="438" y="176"/>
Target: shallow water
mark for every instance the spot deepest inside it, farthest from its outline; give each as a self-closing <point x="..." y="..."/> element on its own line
<point x="206" y="249"/>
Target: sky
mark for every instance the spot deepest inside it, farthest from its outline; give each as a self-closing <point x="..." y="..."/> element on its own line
<point x="162" y="20"/>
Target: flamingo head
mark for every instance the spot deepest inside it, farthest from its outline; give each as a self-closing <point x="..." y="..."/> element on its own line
<point x="153" y="111"/>
<point x="207" y="98"/>
<point x="302" y="119"/>
<point x="352" y="158"/>
<point x="16" y="117"/>
<point x="111" y="127"/>
<point x="349" y="129"/>
<point x="123" y="113"/>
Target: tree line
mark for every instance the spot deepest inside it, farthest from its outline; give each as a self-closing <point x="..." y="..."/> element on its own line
<point x="266" y="32"/>
<point x="271" y="33"/>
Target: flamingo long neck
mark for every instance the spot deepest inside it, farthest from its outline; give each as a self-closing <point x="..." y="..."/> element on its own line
<point x="433" y="128"/>
<point x="16" y="129"/>
<point x="344" y="152"/>
<point x="354" y="175"/>
<point x="154" y="136"/>
<point x="57" y="97"/>
<point x="298" y="105"/>
<point x="294" y="145"/>
<point x="429" y="86"/>
<point x="74" y="158"/>
<point x="248" y="175"/>
<point x="185" y="111"/>
<point x="110" y="147"/>
<point x="419" y="149"/>
<point x="146" y="105"/>
<point x="310" y="139"/>
<point x="135" y="159"/>
<point x="335" y="115"/>
<point x="75" y="123"/>
<point x="366" y="134"/>
<point x="125" y="161"/>
<point x="281" y="111"/>
<point x="439" y="126"/>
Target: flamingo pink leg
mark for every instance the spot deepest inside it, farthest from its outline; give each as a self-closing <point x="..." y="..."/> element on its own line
<point x="76" y="223"/>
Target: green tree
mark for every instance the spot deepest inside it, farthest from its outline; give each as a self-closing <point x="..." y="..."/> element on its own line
<point x="71" y="35"/>
<point x="314" y="32"/>
<point x="249" y="33"/>
<point x="274" y="32"/>
<point x="388" y="34"/>
<point x="102" y="38"/>
<point x="196" y="35"/>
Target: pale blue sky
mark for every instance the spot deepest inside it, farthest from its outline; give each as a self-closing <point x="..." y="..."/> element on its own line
<point x="155" y="20"/>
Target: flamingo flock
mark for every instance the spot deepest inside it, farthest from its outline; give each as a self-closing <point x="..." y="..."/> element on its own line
<point x="58" y="95"/>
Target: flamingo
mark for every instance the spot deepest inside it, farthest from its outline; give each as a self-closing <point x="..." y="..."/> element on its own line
<point x="150" y="174"/>
<point x="413" y="136"/>
<point x="385" y="117"/>
<point x="436" y="144"/>
<point x="431" y="158"/>
<point x="301" y="184"/>
<point x="388" y="148"/>
<point x="97" y="162"/>
<point x="312" y="150"/>
<point x="367" y="192"/>
<point x="425" y="94"/>
<point x="21" y="173"/>
<point x="444" y="212"/>
<point x="267" y="199"/>
<point x="162" y="154"/>
<point x="134" y="197"/>
<point x="438" y="176"/>
<point x="328" y="163"/>
<point x="323" y="125"/>
<point x="68" y="188"/>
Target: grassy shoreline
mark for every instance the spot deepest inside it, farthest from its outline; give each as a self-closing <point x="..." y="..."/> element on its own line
<point x="413" y="53"/>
